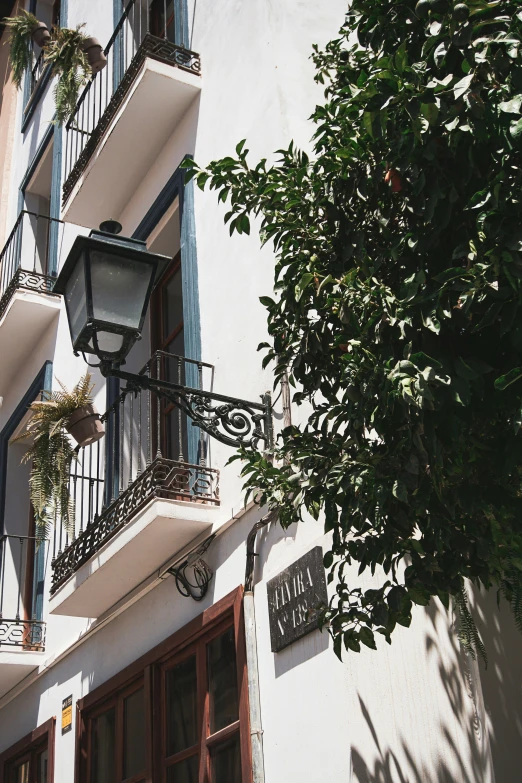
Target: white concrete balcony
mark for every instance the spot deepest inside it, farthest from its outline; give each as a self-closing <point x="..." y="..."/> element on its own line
<point x="22" y="631"/>
<point x="27" y="306"/>
<point x="141" y="495"/>
<point x="125" y="115"/>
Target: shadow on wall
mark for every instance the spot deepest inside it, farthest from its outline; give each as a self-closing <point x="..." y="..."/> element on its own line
<point x="502" y="684"/>
<point x="465" y="758"/>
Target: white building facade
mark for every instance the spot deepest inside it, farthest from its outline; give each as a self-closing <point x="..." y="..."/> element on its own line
<point x="139" y="648"/>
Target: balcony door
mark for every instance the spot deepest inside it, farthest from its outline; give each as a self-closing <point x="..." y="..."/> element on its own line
<point x="167" y="334"/>
<point x="162" y="20"/>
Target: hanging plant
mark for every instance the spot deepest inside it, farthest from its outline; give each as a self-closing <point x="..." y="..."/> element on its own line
<point x="52" y="452"/>
<point x="22" y="29"/>
<point x="73" y="55"/>
<point x="70" y="64"/>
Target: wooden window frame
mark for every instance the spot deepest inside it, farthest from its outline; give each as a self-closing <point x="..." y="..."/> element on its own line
<point x="161" y="343"/>
<point x="157" y="310"/>
<point x="33" y="741"/>
<point x="117" y="701"/>
<point x="150" y="668"/>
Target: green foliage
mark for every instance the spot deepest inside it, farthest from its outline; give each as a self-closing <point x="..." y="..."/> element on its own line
<point x="64" y="52"/>
<point x="20" y="54"/>
<point x="70" y="65"/>
<point x="51" y="454"/>
<point x="467" y="631"/>
<point x="398" y="308"/>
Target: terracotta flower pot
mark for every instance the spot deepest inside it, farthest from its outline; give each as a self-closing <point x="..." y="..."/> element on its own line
<point x="95" y="54"/>
<point x="40" y="35"/>
<point x="85" y="426"/>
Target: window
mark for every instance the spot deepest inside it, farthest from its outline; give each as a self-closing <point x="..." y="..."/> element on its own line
<point x="117" y="738"/>
<point x="200" y="716"/>
<point x="167" y="316"/>
<point x="31" y="759"/>
<point x="197" y="731"/>
<point x="167" y="333"/>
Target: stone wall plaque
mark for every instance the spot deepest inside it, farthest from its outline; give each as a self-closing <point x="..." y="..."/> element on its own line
<point x="294" y="597"/>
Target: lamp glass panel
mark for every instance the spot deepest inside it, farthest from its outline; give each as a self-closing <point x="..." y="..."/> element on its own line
<point x="76" y="299"/>
<point x="119" y="288"/>
<point x="109" y="342"/>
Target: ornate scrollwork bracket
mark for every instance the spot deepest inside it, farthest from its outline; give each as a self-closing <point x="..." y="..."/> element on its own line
<point x="193" y="574"/>
<point x="232" y="421"/>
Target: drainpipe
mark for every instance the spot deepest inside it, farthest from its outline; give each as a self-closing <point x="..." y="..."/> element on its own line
<point x="254" y="701"/>
<point x="286" y="400"/>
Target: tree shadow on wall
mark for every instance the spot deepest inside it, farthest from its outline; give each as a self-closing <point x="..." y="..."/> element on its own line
<point x="486" y="705"/>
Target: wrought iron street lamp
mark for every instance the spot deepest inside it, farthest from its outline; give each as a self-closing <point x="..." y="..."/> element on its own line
<point x="107" y="283"/>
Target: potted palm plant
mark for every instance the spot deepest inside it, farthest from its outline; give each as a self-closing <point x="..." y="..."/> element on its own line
<point x="23" y="29"/>
<point x="52" y="452"/>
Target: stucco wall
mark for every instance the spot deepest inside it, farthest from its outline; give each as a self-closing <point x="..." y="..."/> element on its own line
<point x="8" y="102"/>
<point x="403" y="713"/>
<point x="410" y="713"/>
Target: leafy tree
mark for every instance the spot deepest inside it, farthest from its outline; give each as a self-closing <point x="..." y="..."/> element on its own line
<point x="397" y="311"/>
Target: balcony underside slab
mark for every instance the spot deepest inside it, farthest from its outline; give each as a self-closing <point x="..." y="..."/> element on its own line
<point x="16" y="666"/>
<point x="157" y="532"/>
<point x="150" y="112"/>
<point x="26" y="319"/>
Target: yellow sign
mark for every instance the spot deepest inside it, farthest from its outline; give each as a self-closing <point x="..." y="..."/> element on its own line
<point x="67" y="714"/>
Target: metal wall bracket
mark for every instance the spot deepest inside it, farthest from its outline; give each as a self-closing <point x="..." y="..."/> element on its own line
<point x="193" y="574"/>
<point x="230" y="420"/>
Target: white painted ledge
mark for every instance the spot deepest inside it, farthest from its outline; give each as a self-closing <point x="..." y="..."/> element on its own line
<point x="142" y="546"/>
<point x="157" y="101"/>
<point x="27" y="318"/>
<point x="15" y="666"/>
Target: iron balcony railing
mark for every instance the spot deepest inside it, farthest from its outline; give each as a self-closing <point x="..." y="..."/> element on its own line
<point x="138" y="34"/>
<point x="22" y="570"/>
<point x="25" y="258"/>
<point x="149" y="451"/>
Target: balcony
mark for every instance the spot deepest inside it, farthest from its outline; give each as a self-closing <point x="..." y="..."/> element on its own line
<point x="22" y="632"/>
<point x="141" y="494"/>
<point x="125" y="115"/>
<point x="27" y="305"/>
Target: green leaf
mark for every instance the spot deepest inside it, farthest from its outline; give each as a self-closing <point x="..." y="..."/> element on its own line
<point x="366" y="637"/>
<point x="400" y="492"/>
<point x="351" y="640"/>
<point x="401" y="58"/>
<point x="328" y="559"/>
<point x="368" y="118"/>
<point x="463" y="85"/>
<point x="512" y="106"/>
<point x="430" y="111"/>
<point x="302" y="285"/>
<point x="419" y="596"/>
<point x="506" y="380"/>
